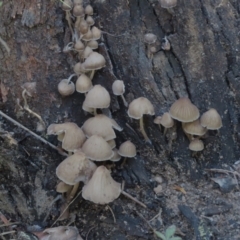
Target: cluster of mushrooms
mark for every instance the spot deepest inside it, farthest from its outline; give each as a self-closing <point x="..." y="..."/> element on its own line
<point x="194" y="126"/>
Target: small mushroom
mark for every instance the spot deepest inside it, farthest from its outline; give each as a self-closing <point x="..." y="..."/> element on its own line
<point x="118" y="89"/>
<point x="166" y="120"/>
<point x="101" y="125"/>
<point x="97" y="97"/>
<point x="97" y="149"/>
<point x="211" y="120"/>
<point x="90" y="21"/>
<point x="73" y="135"/>
<point x="112" y="143"/>
<point x="94" y="62"/>
<point x="89" y="10"/>
<point x="116" y="157"/>
<point x="66" y="87"/>
<point x="168" y="3"/>
<point x="166" y="44"/>
<point x="150" y="39"/>
<point x="137" y="108"/>
<point x="193" y="128"/>
<point x="63" y="187"/>
<point x="67" y="7"/>
<point x="96" y="33"/>
<point x="196" y="145"/>
<point x="79" y="68"/>
<point x="93" y="44"/>
<point x="83" y="84"/>
<point x="184" y="111"/>
<point x="127" y="150"/>
<point x="87" y="51"/>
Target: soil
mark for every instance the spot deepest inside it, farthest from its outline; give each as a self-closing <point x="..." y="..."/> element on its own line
<point x="202" y="64"/>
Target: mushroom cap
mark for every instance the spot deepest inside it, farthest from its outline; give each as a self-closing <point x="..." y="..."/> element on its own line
<point x="112" y="143"/>
<point x="140" y="106"/>
<point x="94" y="61"/>
<point x="77" y="2"/>
<point x="30" y="88"/>
<point x="101" y="125"/>
<point x="157" y="120"/>
<point x="97" y="149"/>
<point x="79" y="46"/>
<point x="116" y="156"/>
<point x="196" y="145"/>
<point x="194" y="128"/>
<point x="97" y="97"/>
<point x="78" y="11"/>
<point x="83" y="27"/>
<point x="90" y="21"/>
<point x="75" y="168"/>
<point x="96" y="33"/>
<point x="62" y="187"/>
<point x="168" y="3"/>
<point x="83" y="84"/>
<point x="73" y="137"/>
<point x="93" y="44"/>
<point x="166" y="120"/>
<point x="62" y="233"/>
<point x="89" y="10"/>
<point x="79" y="68"/>
<point x="87" y="51"/>
<point x="66" y="87"/>
<point x="211" y="119"/>
<point x="67" y="5"/>
<point x="118" y="87"/>
<point x="88" y="36"/>
<point x="127" y="149"/>
<point x="184" y="111"/>
<point x="150" y="38"/>
<point x="102" y="188"/>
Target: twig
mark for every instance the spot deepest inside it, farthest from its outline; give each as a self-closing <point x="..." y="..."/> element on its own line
<point x="145" y="220"/>
<point x="133" y="198"/>
<point x="9" y="224"/>
<point x="5" y="45"/>
<point x="90" y="231"/>
<point x="32" y="133"/>
<point x="66" y="209"/>
<point x="5" y="233"/>
<point x="223" y="171"/>
<point x="114" y="219"/>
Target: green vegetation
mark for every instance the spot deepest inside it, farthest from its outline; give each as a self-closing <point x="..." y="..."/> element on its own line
<point x="169" y="234"/>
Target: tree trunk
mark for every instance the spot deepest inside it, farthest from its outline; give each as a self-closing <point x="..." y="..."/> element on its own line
<point x="202" y="64"/>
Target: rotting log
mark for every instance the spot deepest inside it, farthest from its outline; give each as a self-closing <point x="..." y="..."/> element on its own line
<point x="203" y="64"/>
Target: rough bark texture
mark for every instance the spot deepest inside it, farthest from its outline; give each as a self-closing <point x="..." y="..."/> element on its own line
<point x="203" y="64"/>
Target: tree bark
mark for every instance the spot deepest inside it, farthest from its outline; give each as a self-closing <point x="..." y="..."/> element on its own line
<point x="202" y="64"/>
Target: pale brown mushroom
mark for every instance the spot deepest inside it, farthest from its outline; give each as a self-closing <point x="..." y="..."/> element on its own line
<point x="97" y="149"/>
<point x="93" y="44"/>
<point x="83" y="84"/>
<point x="116" y="157"/>
<point x="150" y="39"/>
<point x="101" y="125"/>
<point x="211" y="120"/>
<point x="112" y="143"/>
<point x="66" y="87"/>
<point x="166" y="121"/>
<point x="193" y="128"/>
<point x="196" y="145"/>
<point x="127" y="150"/>
<point x="89" y="10"/>
<point x="67" y="7"/>
<point x="168" y="3"/>
<point x="79" y="68"/>
<point x="184" y="111"/>
<point x="97" y="97"/>
<point x="118" y="89"/>
<point x="137" y="108"/>
<point x="73" y="135"/>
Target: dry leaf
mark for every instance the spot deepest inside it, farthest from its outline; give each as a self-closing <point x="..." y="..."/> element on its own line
<point x="179" y="189"/>
<point x="4" y="92"/>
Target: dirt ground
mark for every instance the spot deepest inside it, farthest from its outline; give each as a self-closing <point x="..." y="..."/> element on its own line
<point x="178" y="187"/>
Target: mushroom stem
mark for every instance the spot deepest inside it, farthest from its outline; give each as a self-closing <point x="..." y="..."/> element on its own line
<point x="124" y="162"/>
<point x="95" y="111"/>
<point x="68" y="18"/>
<point x="92" y="74"/>
<point x="72" y="193"/>
<point x="124" y="101"/>
<point x="143" y="131"/>
<point x="165" y="131"/>
<point x="133" y="198"/>
<point x="71" y="76"/>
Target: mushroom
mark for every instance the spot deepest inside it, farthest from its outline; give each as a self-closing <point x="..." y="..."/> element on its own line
<point x="137" y="108"/>
<point x="165" y="120"/>
<point x="63" y="187"/>
<point x="88" y="10"/>
<point x="193" y="128"/>
<point x="67" y="7"/>
<point x="66" y="87"/>
<point x="96" y="33"/>
<point x="97" y="149"/>
<point x="103" y="189"/>
<point x="87" y="51"/>
<point x="101" y="125"/>
<point x="150" y="39"/>
<point x="61" y="233"/>
<point x="116" y="157"/>
<point x="196" y="145"/>
<point x="79" y="68"/>
<point x="94" y="62"/>
<point x="112" y="143"/>
<point x="88" y="36"/>
<point x="83" y="84"/>
<point x="73" y="135"/>
<point x="127" y="150"/>
<point x="79" y="46"/>
<point x="97" y="97"/>
<point x="93" y="44"/>
<point x="184" y="111"/>
<point x="166" y="44"/>
<point x="90" y="21"/>
<point x="168" y="3"/>
<point x="211" y="120"/>
<point x="118" y="89"/>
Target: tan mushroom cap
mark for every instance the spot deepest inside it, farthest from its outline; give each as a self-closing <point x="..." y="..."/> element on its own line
<point x="102" y="188"/>
<point x="184" y="111"/>
<point x="97" y="97"/>
<point x="83" y="27"/>
<point x="116" y="157"/>
<point x="157" y="120"/>
<point x="75" y="168"/>
<point x="93" y="44"/>
<point x="66" y="87"/>
<point x="87" y="51"/>
<point x="101" y="125"/>
<point x="94" y="61"/>
<point x="96" y="33"/>
<point x="79" y="46"/>
<point x="140" y="106"/>
<point x="127" y="149"/>
<point x="88" y="36"/>
<point x="97" y="149"/>
<point x="196" y="145"/>
<point x="77" y="2"/>
<point x="194" y="128"/>
<point x="211" y="119"/>
<point x="79" y="68"/>
<point x="118" y="87"/>
<point x="89" y="10"/>
<point x="73" y="137"/>
<point x="150" y="38"/>
<point x="90" y="21"/>
<point x="61" y="233"/>
<point x="67" y="5"/>
<point x="78" y="11"/>
<point x="87" y="109"/>
<point x="168" y="3"/>
<point x="112" y="143"/>
<point x="166" y="120"/>
<point x="62" y="187"/>
<point x="83" y="84"/>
